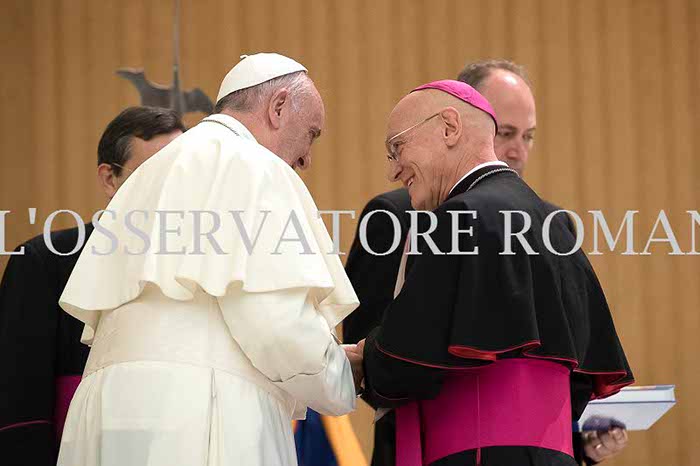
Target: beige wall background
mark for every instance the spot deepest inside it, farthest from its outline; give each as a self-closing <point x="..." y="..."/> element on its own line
<point x="616" y="84"/>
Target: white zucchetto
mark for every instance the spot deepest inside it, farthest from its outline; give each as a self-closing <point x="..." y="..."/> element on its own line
<point x="257" y="69"/>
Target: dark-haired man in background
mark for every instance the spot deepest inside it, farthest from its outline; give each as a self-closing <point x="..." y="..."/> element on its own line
<point x="41" y="357"/>
<point x="507" y="88"/>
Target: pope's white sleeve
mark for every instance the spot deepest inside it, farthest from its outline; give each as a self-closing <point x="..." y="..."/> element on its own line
<point x="287" y="340"/>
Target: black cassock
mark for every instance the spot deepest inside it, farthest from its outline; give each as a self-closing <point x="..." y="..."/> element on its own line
<point x="40" y="350"/>
<point x="488" y="302"/>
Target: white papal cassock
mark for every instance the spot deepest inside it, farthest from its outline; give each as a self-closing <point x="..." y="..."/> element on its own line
<point x="208" y="336"/>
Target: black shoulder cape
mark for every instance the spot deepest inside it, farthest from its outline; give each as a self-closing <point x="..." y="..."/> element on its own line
<point x="458" y="311"/>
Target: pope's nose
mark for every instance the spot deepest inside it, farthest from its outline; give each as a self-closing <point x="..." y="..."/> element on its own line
<point x="304" y="163"/>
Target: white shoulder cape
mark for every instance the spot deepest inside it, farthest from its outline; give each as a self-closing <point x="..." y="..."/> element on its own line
<point x="213" y="169"/>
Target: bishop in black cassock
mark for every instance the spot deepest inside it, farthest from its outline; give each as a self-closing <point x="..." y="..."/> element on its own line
<point x="374" y="277"/>
<point x="500" y="323"/>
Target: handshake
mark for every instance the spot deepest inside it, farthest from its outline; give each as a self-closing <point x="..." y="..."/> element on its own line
<point x="354" y="354"/>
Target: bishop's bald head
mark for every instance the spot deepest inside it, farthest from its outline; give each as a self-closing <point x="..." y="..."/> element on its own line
<point x="273" y="96"/>
<point x="435" y="135"/>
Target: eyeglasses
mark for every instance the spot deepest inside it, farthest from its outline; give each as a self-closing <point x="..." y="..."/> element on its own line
<point x="392" y="146"/>
<point x="122" y="167"/>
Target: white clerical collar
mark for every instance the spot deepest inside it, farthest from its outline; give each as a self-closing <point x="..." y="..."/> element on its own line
<point x="485" y="164"/>
<point x="232" y="124"/>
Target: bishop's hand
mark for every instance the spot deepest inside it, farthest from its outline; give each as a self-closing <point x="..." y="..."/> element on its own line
<point x="602" y="445"/>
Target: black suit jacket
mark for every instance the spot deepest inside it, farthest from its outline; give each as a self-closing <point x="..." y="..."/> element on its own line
<point x="374" y="277"/>
<point x="38" y="343"/>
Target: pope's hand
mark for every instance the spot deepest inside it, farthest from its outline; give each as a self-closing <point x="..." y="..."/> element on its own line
<point x="355" y="357"/>
<point x="602" y="445"/>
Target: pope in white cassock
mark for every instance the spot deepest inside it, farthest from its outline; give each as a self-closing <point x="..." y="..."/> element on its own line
<point x="209" y="293"/>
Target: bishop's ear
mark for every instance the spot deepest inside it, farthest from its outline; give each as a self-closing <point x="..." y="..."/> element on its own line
<point x="278" y="105"/>
<point x="108" y="180"/>
<point x="452" y="126"/>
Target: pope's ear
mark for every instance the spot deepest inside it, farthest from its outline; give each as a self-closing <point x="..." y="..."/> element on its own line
<point x="452" y="125"/>
<point x="277" y="105"/>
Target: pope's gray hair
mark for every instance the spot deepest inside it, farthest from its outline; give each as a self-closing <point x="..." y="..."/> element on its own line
<point x="247" y="100"/>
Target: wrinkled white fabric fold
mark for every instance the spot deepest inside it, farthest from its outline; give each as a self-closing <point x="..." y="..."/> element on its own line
<point x="160" y="217"/>
<point x="283" y="336"/>
<point x="153" y="413"/>
<point x="166" y="383"/>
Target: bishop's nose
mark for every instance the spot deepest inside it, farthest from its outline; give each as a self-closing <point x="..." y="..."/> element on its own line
<point x="393" y="171"/>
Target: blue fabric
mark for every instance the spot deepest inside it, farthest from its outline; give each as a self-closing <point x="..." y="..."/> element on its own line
<point x="313" y="447"/>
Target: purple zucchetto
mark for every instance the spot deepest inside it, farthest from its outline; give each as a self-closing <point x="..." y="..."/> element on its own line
<point x="463" y="92"/>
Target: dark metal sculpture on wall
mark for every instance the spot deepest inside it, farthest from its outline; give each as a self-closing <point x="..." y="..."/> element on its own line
<point x="158" y="95"/>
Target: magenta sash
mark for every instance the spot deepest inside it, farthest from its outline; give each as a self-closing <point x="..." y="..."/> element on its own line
<point x="512" y="402"/>
<point x="66" y="385"/>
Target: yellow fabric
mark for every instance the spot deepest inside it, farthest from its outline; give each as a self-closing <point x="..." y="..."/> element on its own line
<point x="343" y="440"/>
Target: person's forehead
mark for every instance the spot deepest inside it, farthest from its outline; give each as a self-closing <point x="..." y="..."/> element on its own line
<point x="406" y="112"/>
<point x="316" y="107"/>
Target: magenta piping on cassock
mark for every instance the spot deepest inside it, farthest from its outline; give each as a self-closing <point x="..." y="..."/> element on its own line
<point x="606" y="383"/>
<point x="23" y="424"/>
